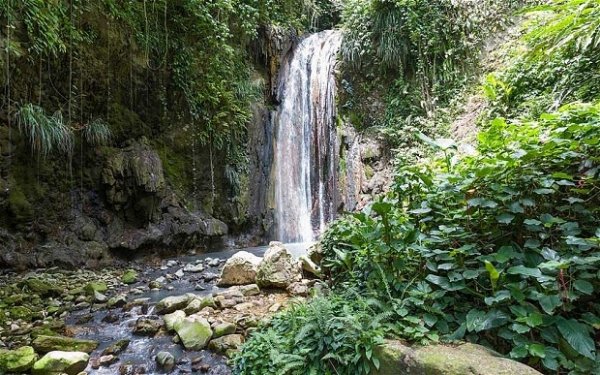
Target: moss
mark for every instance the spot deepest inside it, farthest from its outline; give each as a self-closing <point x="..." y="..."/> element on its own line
<point x="20" y="312"/>
<point x="19" y="205"/>
<point x="129" y="277"/>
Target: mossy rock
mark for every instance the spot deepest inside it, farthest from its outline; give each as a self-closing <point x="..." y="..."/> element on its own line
<point x="129" y="277"/>
<point x="95" y="286"/>
<point x="20" y="312"/>
<point x="46" y="344"/>
<point x="43" y="288"/>
<point x="17" y="361"/>
<point x="19" y="205"/>
<point x="466" y="359"/>
<point x="194" y="332"/>
<point x="70" y="363"/>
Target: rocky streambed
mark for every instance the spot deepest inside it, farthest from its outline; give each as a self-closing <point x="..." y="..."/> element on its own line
<point x="186" y="315"/>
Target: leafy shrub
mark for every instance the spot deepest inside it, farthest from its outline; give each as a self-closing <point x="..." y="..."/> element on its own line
<point x="333" y="335"/>
<point x="500" y="248"/>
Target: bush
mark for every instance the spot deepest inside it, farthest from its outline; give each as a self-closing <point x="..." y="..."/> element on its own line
<point x="333" y="335"/>
<point x="499" y="248"/>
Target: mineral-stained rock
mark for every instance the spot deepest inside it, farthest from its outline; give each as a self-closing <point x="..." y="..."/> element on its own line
<point x="278" y="268"/>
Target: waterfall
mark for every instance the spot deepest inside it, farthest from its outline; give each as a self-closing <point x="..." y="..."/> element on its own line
<point x="305" y="139"/>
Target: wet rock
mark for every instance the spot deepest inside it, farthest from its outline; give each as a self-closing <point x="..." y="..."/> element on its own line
<point x="46" y="344"/>
<point x="107" y="360"/>
<point x="116" y="348"/>
<point x="95" y="286"/>
<point x="154" y="285"/>
<point x="194" y="332"/>
<point x="210" y="276"/>
<point x="19" y="360"/>
<point x="278" y="268"/>
<point x="179" y="273"/>
<point x="100" y="298"/>
<point x="165" y="360"/>
<point x="70" y="363"/>
<point x="171" y="263"/>
<point x="117" y="301"/>
<point x="110" y="318"/>
<point x="227" y="345"/>
<point x="173" y="319"/>
<point x="214" y="262"/>
<point x="193" y="268"/>
<point x="223" y="329"/>
<point x="240" y="269"/>
<point x="129" y="277"/>
<point x="170" y="304"/>
<point x="131" y="370"/>
<point x="147" y="326"/>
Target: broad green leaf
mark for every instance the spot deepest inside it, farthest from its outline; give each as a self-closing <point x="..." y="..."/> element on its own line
<point x="525" y="271"/>
<point x="578" y="337"/>
<point x="505" y="218"/>
<point x="584" y="287"/>
<point x="550" y="303"/>
<point x="537" y="350"/>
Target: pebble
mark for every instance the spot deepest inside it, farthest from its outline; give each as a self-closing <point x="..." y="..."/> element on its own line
<point x="179" y="273"/>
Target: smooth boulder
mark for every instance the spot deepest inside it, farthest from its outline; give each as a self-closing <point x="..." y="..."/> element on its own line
<point x="70" y="363"/>
<point x="278" y="268"/>
<point x="240" y="269"/>
<point x="466" y="359"/>
<point x="194" y="331"/>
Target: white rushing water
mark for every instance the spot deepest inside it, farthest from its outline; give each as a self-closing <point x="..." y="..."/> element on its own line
<point x="305" y="139"/>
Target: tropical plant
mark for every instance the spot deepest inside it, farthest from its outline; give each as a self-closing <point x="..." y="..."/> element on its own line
<point x="45" y="133"/>
<point x="96" y="132"/>
<point x="500" y="248"/>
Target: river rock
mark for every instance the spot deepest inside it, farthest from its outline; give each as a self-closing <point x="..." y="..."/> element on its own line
<point x="165" y="360"/>
<point x="278" y="268"/>
<point x="194" y="332"/>
<point x="227" y="344"/>
<point x="193" y="268"/>
<point x="240" y="269"/>
<point x="117" y="301"/>
<point x="70" y="363"/>
<point x="223" y="329"/>
<point x="170" y="304"/>
<point x="95" y="286"/>
<point x="19" y="360"/>
<point x="116" y="348"/>
<point x="147" y="326"/>
<point x="46" y="344"/>
<point x="43" y="288"/>
<point x="249" y="290"/>
<point x="396" y="358"/>
<point x="171" y="320"/>
<point x="129" y="277"/>
<point x="99" y="297"/>
<point x="197" y="304"/>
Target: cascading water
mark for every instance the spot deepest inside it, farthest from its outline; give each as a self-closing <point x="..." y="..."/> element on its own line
<point x="305" y="139"/>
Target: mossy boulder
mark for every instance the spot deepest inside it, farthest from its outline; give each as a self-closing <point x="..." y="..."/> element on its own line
<point x="194" y="332"/>
<point x="227" y="345"/>
<point x="223" y="329"/>
<point x="43" y="288"/>
<point x="465" y="359"/>
<point x="171" y="304"/>
<point x="54" y="363"/>
<point x="95" y="286"/>
<point x="17" y="361"/>
<point x="46" y="344"/>
<point x="20" y="312"/>
<point x="129" y="277"/>
<point x="173" y="319"/>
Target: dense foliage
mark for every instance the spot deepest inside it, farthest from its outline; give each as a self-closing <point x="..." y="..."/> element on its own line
<point x="557" y="62"/>
<point x="328" y="336"/>
<point x="411" y="57"/>
<point x="502" y="248"/>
